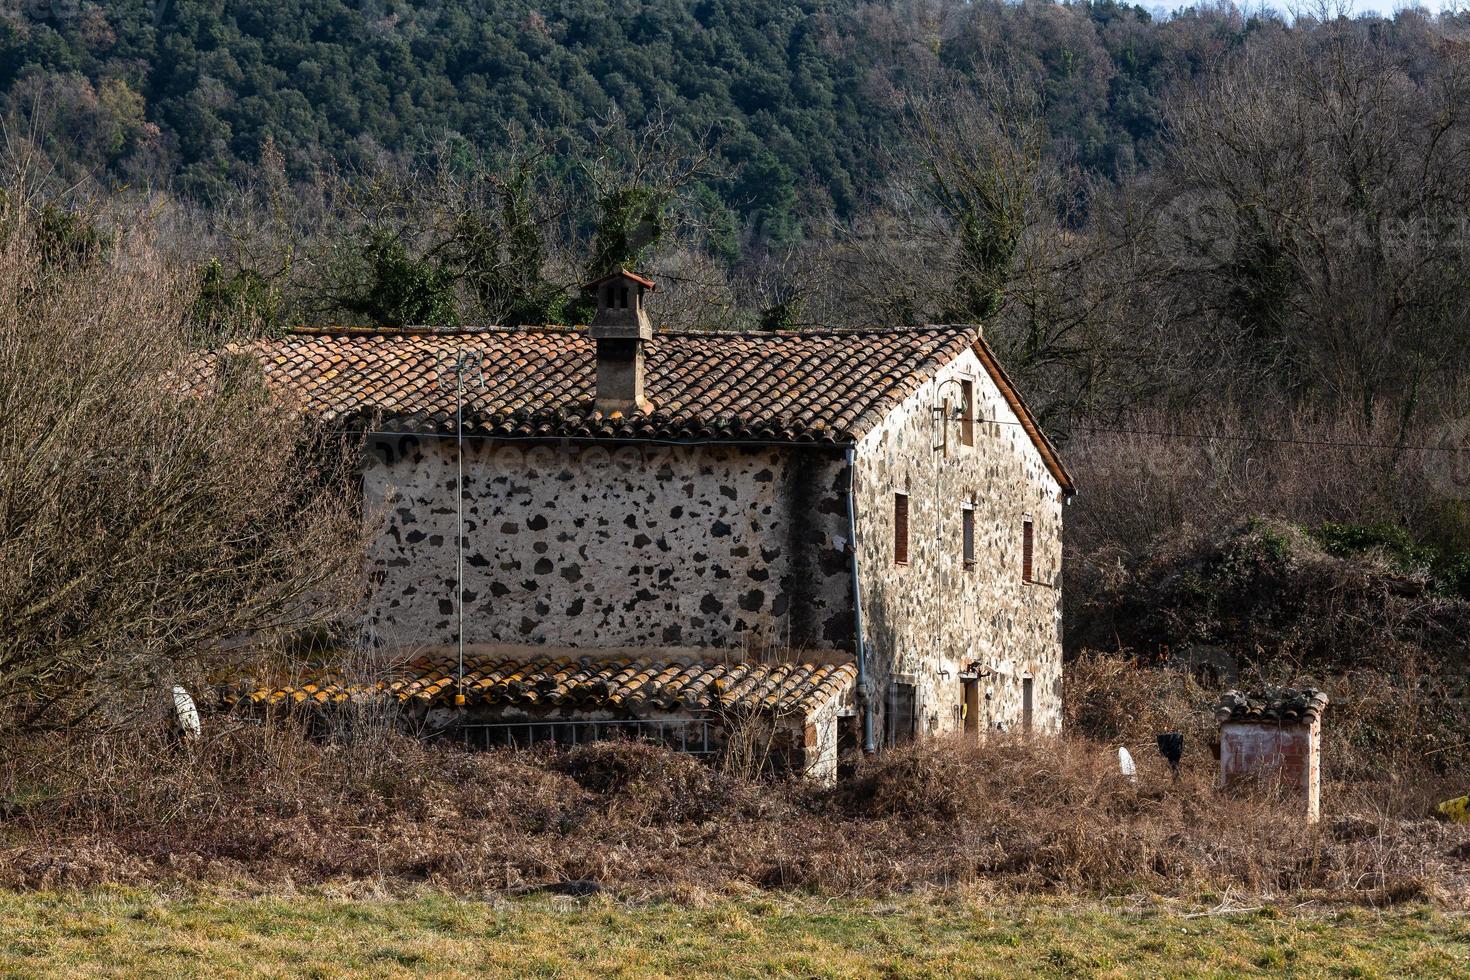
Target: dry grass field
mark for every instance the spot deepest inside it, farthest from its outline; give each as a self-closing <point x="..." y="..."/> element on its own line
<point x="264" y="809"/>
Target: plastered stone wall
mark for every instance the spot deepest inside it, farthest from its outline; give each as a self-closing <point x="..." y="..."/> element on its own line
<point x="819" y="742"/>
<point x="933" y="619"/>
<point x="591" y="546"/>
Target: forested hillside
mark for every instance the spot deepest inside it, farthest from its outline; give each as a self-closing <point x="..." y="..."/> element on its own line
<point x="801" y="96"/>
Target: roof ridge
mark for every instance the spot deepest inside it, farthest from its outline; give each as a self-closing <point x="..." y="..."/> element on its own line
<point x="577" y="329"/>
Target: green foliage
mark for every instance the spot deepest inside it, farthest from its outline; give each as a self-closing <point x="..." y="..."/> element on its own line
<point x="804" y="94"/>
<point x="380" y="283"/>
<point x="501" y="257"/>
<point x="1275" y="543"/>
<point x="630" y="224"/>
<point x="232" y="301"/>
<point x="1391" y="540"/>
<point x="988" y="237"/>
<point x="68" y="240"/>
<point x="720" y="223"/>
<point x="1448" y="567"/>
<point x="781" y="315"/>
<point x="767" y="188"/>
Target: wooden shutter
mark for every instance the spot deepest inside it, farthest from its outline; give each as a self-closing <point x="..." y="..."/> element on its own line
<point x="1028" y="544"/>
<point x="903" y="713"/>
<point x="969" y="533"/>
<point x="901" y="528"/>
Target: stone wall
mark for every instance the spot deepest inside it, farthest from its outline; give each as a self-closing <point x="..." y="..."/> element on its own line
<point x="587" y="546"/>
<point x="930" y="621"/>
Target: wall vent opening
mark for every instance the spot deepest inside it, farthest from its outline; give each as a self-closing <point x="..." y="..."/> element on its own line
<point x="901" y="528"/>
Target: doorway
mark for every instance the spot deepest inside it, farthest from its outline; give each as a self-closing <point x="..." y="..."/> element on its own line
<point x="972" y="706"/>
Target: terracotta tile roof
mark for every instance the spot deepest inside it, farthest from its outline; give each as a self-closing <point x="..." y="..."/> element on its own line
<point x="635" y="686"/>
<point x="1282" y="705"/>
<point x="812" y="386"/>
<point x="818" y="386"/>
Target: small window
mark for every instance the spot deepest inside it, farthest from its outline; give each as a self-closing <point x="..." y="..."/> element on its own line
<point x="967" y="418"/>
<point x="623" y="297"/>
<point x="968" y="518"/>
<point x="1028" y="548"/>
<point x="607" y="297"/>
<point x="1028" y="706"/>
<point x="901" y="528"/>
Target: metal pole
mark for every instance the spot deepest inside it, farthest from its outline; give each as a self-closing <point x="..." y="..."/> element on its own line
<point x="459" y="543"/>
<point x="864" y="689"/>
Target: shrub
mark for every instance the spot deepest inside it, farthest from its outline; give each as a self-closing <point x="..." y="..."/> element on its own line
<point x="649" y="782"/>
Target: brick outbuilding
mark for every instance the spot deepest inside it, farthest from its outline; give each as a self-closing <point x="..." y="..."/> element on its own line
<point x="1274" y="735"/>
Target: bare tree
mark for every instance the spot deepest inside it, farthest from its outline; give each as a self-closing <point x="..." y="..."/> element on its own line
<point x="1317" y="191"/>
<point x="146" y="527"/>
<point x="986" y="223"/>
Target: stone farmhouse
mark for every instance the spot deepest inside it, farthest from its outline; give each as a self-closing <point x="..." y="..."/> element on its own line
<point x="579" y="531"/>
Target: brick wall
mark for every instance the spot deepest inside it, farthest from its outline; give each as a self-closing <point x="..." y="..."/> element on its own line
<point x="1252" y="752"/>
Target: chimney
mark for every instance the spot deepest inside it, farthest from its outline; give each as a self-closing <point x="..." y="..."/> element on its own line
<point x="1274" y="736"/>
<point x="620" y="328"/>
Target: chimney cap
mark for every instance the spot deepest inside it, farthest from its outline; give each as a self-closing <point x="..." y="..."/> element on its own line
<point x="1273" y="705"/>
<point x="643" y="281"/>
<point x="620" y="312"/>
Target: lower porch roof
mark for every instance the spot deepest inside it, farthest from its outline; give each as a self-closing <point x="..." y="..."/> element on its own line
<point x="635" y="686"/>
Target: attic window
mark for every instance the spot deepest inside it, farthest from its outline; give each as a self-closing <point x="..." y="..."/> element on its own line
<point x="967" y="516"/>
<point x="608" y="297"/>
<point x="1028" y="547"/>
<point x="900" y="529"/>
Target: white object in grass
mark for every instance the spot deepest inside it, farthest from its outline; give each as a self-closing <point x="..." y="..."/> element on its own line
<point x="1126" y="766"/>
<point x="186" y="713"/>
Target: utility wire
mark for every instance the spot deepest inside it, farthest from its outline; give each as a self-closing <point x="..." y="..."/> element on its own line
<point x="1279" y="440"/>
<point x="1155" y="434"/>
